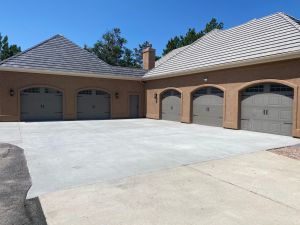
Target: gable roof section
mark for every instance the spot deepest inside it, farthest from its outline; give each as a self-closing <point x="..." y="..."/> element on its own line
<point x="59" y="54"/>
<point x="269" y="38"/>
<point x="169" y="55"/>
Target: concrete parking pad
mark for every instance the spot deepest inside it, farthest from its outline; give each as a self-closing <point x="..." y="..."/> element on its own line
<point x="188" y="195"/>
<point x="264" y="173"/>
<point x="68" y="154"/>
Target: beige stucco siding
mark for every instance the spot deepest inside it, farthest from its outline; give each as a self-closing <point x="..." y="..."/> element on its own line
<point x="232" y="81"/>
<point x="69" y="85"/>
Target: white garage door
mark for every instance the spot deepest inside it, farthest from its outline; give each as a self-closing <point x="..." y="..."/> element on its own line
<point x="41" y="104"/>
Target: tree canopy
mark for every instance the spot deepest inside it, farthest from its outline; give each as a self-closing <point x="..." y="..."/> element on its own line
<point x="191" y="36"/>
<point x="7" y="50"/>
<point x="112" y="49"/>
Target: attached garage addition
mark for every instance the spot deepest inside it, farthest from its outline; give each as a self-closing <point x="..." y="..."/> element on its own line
<point x="246" y="77"/>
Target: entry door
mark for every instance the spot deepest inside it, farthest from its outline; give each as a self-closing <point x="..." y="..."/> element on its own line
<point x="134" y="106"/>
<point x="41" y="104"/>
<point x="208" y="107"/>
<point x="93" y="105"/>
<point x="171" y="106"/>
<point x="267" y="108"/>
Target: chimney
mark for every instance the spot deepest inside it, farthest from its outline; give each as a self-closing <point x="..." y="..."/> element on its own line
<point x="149" y="58"/>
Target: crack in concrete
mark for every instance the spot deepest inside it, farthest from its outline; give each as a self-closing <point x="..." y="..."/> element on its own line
<point x="242" y="188"/>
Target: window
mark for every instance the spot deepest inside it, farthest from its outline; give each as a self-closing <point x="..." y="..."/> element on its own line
<point x="100" y="93"/>
<point x="258" y="88"/>
<point x="32" y="90"/>
<point x="50" y="90"/>
<point x="85" y="92"/>
<point x="216" y="91"/>
<point x="280" y="88"/>
<point x="171" y="93"/>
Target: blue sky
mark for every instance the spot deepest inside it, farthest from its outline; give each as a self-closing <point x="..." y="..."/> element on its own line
<point x="32" y="21"/>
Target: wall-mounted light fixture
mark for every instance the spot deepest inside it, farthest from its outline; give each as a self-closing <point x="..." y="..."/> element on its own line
<point x="155" y="97"/>
<point x="116" y="95"/>
<point x="11" y="92"/>
<point x="205" y="79"/>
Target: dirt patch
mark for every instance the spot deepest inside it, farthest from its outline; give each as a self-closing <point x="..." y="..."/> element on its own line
<point x="291" y="152"/>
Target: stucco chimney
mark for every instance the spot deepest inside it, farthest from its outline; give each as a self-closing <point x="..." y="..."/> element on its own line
<point x="149" y="58"/>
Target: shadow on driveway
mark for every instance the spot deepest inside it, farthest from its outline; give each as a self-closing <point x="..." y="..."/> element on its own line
<point x="15" y="182"/>
<point x="35" y="212"/>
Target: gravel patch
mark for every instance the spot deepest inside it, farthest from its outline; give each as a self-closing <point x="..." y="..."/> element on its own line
<point x="291" y="152"/>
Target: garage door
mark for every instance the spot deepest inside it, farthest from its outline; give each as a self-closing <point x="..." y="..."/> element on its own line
<point x="93" y="105"/>
<point x="41" y="104"/>
<point x="208" y="107"/>
<point x="267" y="108"/>
<point x="171" y="105"/>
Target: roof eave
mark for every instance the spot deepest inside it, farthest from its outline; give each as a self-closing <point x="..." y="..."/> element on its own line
<point x="273" y="58"/>
<point x="66" y="73"/>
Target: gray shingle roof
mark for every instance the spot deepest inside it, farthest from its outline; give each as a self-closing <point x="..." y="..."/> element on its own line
<point x="274" y="35"/>
<point x="169" y="55"/>
<point x="59" y="54"/>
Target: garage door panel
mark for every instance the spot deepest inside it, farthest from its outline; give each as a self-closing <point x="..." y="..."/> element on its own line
<point x="207" y="107"/>
<point x="171" y="106"/>
<point x="93" y="104"/>
<point x="267" y="111"/>
<point x="41" y="104"/>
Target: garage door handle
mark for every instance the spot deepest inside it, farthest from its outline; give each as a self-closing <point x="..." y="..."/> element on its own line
<point x="245" y="119"/>
<point x="288" y="123"/>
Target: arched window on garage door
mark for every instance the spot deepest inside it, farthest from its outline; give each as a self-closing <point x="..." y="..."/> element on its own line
<point x="41" y="104"/>
<point x="207" y="106"/>
<point x="267" y="108"/>
<point x="171" y="105"/>
<point x="93" y="104"/>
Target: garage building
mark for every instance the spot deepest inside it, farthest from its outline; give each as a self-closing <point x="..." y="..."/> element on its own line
<point x="246" y="77"/>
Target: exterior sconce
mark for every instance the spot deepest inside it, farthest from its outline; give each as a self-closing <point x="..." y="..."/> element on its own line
<point x="116" y="95"/>
<point x="155" y="97"/>
<point x="205" y="79"/>
<point x="11" y="92"/>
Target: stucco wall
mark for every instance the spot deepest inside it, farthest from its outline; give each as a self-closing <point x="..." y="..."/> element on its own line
<point x="232" y="81"/>
<point x="69" y="85"/>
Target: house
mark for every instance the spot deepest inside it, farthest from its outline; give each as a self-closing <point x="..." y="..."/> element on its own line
<point x="246" y="77"/>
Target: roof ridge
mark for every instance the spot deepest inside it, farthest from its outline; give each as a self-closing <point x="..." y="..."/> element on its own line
<point x="28" y="49"/>
<point x="290" y="19"/>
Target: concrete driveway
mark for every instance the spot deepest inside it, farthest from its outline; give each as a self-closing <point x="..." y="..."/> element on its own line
<point x="74" y="153"/>
<point x="259" y="188"/>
